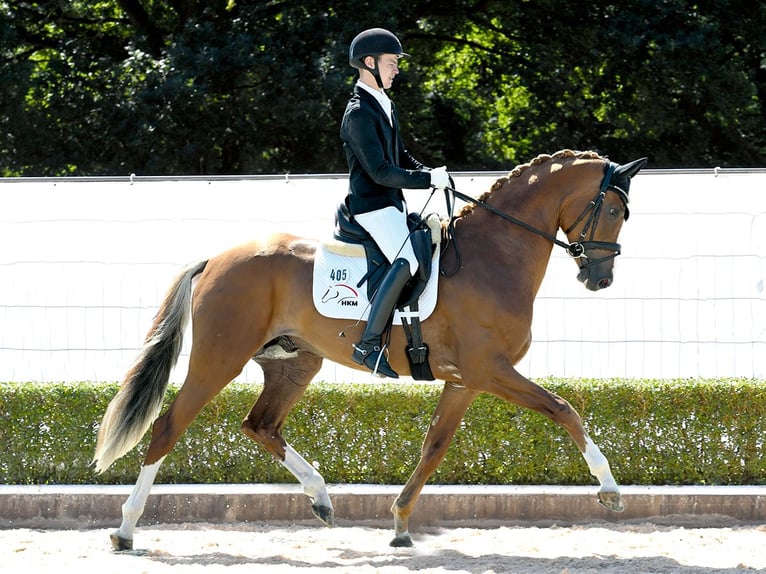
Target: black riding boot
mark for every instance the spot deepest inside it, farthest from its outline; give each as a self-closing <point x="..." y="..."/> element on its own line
<point x="369" y="351"/>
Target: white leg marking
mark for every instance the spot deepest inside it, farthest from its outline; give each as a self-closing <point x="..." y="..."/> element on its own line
<point x="134" y="505"/>
<point x="599" y="466"/>
<point x="312" y="481"/>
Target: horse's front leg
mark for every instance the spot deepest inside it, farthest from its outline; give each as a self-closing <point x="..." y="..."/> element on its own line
<point x="449" y="411"/>
<point x="519" y="390"/>
<point x="609" y="493"/>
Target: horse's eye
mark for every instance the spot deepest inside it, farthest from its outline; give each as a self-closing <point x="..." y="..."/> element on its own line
<point x="613" y="212"/>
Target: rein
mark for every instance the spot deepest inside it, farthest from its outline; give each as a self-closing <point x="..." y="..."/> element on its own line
<point x="576" y="249"/>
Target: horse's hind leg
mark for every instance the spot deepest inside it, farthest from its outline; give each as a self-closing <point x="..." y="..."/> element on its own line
<point x="449" y="412"/>
<point x="122" y="538"/>
<point x="167" y="429"/>
<point x="165" y="433"/>
<point x="287" y="372"/>
<point x="204" y="380"/>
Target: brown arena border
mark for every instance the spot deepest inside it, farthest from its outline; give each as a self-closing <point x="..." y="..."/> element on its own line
<point x="73" y="506"/>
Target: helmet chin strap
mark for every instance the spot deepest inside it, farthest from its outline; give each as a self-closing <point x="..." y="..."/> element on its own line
<point x="374" y="71"/>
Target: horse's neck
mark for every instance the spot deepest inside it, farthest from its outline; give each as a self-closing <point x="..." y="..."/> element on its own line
<point x="526" y="204"/>
<point x="517" y="253"/>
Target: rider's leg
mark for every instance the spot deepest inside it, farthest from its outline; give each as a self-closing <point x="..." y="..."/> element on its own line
<point x="388" y="227"/>
<point x="370" y="351"/>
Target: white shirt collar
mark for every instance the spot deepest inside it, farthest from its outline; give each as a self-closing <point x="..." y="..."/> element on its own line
<point x="381" y="97"/>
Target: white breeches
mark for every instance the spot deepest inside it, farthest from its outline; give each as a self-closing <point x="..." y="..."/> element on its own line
<point x="388" y="227"/>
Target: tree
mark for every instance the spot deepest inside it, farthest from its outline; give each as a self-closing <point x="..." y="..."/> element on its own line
<point x="150" y="87"/>
<point x="683" y="84"/>
<point x="210" y="88"/>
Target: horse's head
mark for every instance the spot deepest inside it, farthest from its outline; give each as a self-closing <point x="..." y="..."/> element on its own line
<point x="593" y="233"/>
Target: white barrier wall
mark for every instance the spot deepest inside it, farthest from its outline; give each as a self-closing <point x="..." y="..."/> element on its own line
<point x="84" y="264"/>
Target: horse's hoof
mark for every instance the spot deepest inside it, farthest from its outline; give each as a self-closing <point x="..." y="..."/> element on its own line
<point x="402" y="541"/>
<point x="324" y="513"/>
<point x="611" y="500"/>
<point x="120" y="543"/>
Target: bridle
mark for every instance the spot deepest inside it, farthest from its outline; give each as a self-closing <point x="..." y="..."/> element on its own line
<point x="576" y="249"/>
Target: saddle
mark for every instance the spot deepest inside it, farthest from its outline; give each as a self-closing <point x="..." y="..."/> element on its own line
<point x="350" y="232"/>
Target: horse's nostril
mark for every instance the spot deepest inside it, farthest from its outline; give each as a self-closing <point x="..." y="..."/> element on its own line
<point x="604" y="283"/>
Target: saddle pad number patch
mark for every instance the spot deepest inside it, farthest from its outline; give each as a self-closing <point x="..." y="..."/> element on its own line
<point x="337" y="296"/>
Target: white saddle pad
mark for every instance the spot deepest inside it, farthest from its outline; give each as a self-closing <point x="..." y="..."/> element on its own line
<point x="337" y="296"/>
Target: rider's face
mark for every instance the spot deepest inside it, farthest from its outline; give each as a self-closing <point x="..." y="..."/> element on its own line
<point x="388" y="68"/>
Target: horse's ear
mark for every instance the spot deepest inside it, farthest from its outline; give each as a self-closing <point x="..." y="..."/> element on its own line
<point x="632" y="168"/>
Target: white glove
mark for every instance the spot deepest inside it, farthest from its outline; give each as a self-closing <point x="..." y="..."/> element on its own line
<point x="440" y="178"/>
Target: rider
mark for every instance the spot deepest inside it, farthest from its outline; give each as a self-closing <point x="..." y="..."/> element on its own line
<point x="379" y="167"/>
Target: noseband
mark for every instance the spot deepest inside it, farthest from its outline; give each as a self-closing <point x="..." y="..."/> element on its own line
<point x="593" y="212"/>
<point x="576" y="249"/>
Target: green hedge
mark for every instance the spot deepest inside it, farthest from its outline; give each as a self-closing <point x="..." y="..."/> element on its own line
<point x="653" y="432"/>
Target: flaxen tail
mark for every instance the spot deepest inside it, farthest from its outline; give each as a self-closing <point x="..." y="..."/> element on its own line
<point x="139" y="400"/>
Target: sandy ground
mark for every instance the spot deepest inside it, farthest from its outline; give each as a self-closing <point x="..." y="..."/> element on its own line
<point x="263" y="548"/>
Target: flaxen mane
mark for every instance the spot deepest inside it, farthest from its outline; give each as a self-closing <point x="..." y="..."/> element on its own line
<point x="519" y="169"/>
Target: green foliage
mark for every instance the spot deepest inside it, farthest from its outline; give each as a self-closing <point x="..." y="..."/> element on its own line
<point x="653" y="432"/>
<point x="227" y="87"/>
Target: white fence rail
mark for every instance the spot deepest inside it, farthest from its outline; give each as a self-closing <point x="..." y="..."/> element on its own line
<point x="84" y="264"/>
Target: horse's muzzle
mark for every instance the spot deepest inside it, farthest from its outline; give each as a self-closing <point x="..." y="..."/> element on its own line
<point x="595" y="278"/>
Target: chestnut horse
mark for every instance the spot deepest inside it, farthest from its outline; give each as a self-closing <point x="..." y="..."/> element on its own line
<point x="255" y="301"/>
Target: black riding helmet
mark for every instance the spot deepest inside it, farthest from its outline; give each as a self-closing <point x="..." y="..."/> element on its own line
<point x="373" y="42"/>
